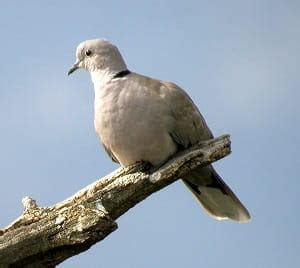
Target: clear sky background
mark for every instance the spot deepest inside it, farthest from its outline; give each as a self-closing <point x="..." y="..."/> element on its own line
<point x="239" y="61"/>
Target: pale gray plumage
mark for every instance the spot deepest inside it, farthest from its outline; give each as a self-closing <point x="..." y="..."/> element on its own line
<point x="138" y="118"/>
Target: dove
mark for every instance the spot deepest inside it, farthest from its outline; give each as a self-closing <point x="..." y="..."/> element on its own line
<point x="142" y="119"/>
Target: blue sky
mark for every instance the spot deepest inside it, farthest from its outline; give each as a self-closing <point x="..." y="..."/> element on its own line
<point x="239" y="61"/>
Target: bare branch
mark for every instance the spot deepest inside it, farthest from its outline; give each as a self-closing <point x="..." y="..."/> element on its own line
<point x="44" y="237"/>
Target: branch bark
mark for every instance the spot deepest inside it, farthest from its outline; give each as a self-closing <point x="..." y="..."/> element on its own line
<point x="46" y="236"/>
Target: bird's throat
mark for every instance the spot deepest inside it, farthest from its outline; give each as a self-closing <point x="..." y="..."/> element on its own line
<point x="101" y="77"/>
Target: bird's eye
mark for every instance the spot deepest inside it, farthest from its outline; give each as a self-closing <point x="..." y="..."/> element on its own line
<point x="88" y="53"/>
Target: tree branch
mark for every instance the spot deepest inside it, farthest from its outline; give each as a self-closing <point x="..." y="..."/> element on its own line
<point x="44" y="237"/>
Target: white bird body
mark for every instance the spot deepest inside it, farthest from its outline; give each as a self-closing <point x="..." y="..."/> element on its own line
<point x="138" y="118"/>
<point x="146" y="138"/>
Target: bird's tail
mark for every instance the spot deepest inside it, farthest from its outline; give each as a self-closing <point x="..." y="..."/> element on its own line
<point x="215" y="196"/>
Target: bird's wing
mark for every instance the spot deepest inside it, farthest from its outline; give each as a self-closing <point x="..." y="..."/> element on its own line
<point x="189" y="126"/>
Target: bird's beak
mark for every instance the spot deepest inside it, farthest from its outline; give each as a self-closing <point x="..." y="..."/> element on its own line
<point x="74" y="67"/>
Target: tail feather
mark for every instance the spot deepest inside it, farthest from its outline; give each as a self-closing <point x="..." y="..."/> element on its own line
<point x="215" y="196"/>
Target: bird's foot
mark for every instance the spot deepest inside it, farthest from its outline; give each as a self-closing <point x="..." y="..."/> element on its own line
<point x="140" y="166"/>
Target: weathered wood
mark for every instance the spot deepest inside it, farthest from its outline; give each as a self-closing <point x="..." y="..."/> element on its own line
<point x="44" y="237"/>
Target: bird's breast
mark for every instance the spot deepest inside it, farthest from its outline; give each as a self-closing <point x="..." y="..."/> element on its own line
<point x="131" y="126"/>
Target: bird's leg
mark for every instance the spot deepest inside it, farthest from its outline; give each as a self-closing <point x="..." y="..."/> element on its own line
<point x="141" y="166"/>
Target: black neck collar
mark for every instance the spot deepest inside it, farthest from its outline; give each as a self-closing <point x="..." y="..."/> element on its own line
<point x="121" y="74"/>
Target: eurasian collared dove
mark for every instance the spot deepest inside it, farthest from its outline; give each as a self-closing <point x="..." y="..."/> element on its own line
<point x="138" y="118"/>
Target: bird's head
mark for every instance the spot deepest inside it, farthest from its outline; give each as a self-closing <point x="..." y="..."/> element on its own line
<point x="98" y="55"/>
